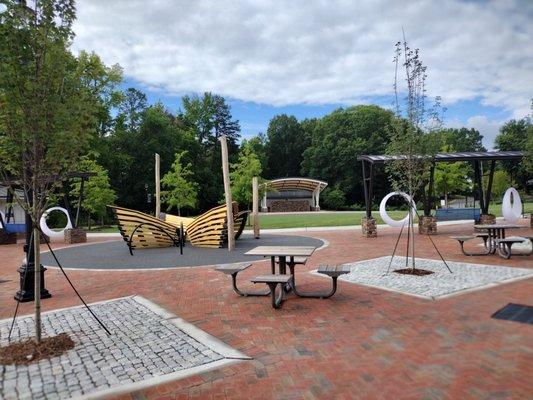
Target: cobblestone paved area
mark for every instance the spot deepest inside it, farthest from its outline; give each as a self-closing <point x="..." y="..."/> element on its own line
<point x="441" y="283"/>
<point x="144" y="344"/>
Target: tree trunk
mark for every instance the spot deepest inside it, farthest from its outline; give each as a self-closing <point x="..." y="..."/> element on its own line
<point x="37" y="284"/>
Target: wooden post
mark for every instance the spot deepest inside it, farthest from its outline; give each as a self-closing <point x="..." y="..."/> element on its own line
<point x="227" y="192"/>
<point x="255" y="206"/>
<point x="157" y="185"/>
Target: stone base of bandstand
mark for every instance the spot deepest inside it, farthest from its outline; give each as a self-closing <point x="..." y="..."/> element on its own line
<point x="427" y="225"/>
<point x="485" y="219"/>
<point x="369" y="228"/>
<point x="75" y="236"/>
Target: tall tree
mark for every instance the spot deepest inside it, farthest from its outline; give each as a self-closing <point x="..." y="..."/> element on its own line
<point x="47" y="114"/>
<point x="180" y="191"/>
<point x="131" y="108"/>
<point x="286" y="143"/>
<point x="241" y="176"/>
<point x="514" y="135"/>
<point x="209" y="117"/>
<point x="338" y="139"/>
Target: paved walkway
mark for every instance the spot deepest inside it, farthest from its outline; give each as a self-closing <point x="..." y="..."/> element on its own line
<point x="362" y="343"/>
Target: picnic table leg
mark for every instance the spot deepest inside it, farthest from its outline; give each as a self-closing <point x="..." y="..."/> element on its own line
<point x="273" y="264"/>
<point x="314" y="295"/>
<point x="244" y="294"/>
<point x="276" y="302"/>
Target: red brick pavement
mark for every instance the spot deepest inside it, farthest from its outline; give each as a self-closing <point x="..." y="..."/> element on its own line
<point x="362" y="343"/>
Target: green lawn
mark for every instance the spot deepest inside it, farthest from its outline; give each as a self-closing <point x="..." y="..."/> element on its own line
<point x="269" y="221"/>
<point x="315" y="219"/>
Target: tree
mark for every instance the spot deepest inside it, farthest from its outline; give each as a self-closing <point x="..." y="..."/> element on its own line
<point x="47" y="114"/>
<point x="515" y="135"/>
<point x="286" y="143"/>
<point x="411" y="142"/>
<point x="257" y="145"/>
<point x="131" y="109"/>
<point x="241" y="176"/>
<point x="333" y="198"/>
<point x="97" y="193"/>
<point x="461" y="140"/>
<point x="182" y="192"/>
<point x="451" y="178"/>
<point x="209" y="117"/>
<point x="338" y="139"/>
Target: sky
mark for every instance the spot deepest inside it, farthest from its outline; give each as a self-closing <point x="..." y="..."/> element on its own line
<point x="309" y="57"/>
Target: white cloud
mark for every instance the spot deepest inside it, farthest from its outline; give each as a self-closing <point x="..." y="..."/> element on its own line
<point x="316" y="52"/>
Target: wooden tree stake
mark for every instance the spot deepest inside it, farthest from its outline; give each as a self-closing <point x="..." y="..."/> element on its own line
<point x="255" y="206"/>
<point x="157" y="185"/>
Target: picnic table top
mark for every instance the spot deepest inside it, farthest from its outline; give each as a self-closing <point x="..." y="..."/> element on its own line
<point x="497" y="226"/>
<point x="291" y="251"/>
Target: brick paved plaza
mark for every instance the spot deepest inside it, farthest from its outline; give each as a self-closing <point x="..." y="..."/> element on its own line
<point x="364" y="342"/>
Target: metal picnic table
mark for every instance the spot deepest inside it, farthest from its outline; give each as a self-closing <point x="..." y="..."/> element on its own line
<point x="495" y="232"/>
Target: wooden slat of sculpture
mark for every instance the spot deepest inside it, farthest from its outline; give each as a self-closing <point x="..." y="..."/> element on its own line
<point x="177" y="220"/>
<point x="208" y="229"/>
<point x="145" y="236"/>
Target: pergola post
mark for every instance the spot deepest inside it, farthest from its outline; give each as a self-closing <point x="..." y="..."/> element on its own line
<point x="488" y="194"/>
<point x="368" y="224"/>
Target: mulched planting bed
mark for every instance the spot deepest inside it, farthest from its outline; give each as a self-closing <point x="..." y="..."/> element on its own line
<point x="28" y="352"/>
<point x="411" y="271"/>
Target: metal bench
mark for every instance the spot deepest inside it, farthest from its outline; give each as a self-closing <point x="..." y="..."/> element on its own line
<point x="504" y="246"/>
<point x="463" y="239"/>
<point x="272" y="281"/>
<point x="233" y="270"/>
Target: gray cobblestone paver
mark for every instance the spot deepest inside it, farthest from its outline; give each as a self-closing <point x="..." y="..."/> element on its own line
<point x="441" y="283"/>
<point x="142" y="345"/>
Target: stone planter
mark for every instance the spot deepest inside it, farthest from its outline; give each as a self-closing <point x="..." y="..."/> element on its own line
<point x="369" y="228"/>
<point x="75" y="236"/>
<point x="427" y="225"/>
<point x="7" y="238"/>
<point x="485" y="219"/>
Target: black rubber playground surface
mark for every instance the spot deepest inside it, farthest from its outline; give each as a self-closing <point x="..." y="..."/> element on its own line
<point x="115" y="255"/>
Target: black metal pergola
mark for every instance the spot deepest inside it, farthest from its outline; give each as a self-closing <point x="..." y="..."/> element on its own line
<point x="368" y="162"/>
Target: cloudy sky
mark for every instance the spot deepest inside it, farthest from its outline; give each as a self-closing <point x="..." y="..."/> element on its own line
<point x="309" y="57"/>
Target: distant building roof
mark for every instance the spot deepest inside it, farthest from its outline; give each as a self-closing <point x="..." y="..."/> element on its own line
<point x="451" y="157"/>
<point x="286" y="184"/>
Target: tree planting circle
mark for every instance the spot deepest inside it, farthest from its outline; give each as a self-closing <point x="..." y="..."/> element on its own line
<point x="511" y="211"/>
<point x="392" y="222"/>
<point x="49" y="232"/>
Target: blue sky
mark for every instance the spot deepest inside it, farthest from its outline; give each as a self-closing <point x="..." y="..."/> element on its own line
<point x="307" y="57"/>
<point x="254" y="117"/>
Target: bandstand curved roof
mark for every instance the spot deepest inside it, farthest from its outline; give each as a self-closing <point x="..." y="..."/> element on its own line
<point x="285" y="184"/>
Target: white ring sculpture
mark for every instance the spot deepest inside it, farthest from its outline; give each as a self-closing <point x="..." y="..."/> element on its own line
<point x="392" y="222"/>
<point x="46" y="230"/>
<point x="511" y="212"/>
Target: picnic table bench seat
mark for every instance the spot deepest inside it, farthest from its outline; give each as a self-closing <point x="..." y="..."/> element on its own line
<point x="333" y="271"/>
<point x="504" y="246"/>
<point x="465" y="238"/>
<point x="234" y="269"/>
<point x="273" y="280"/>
